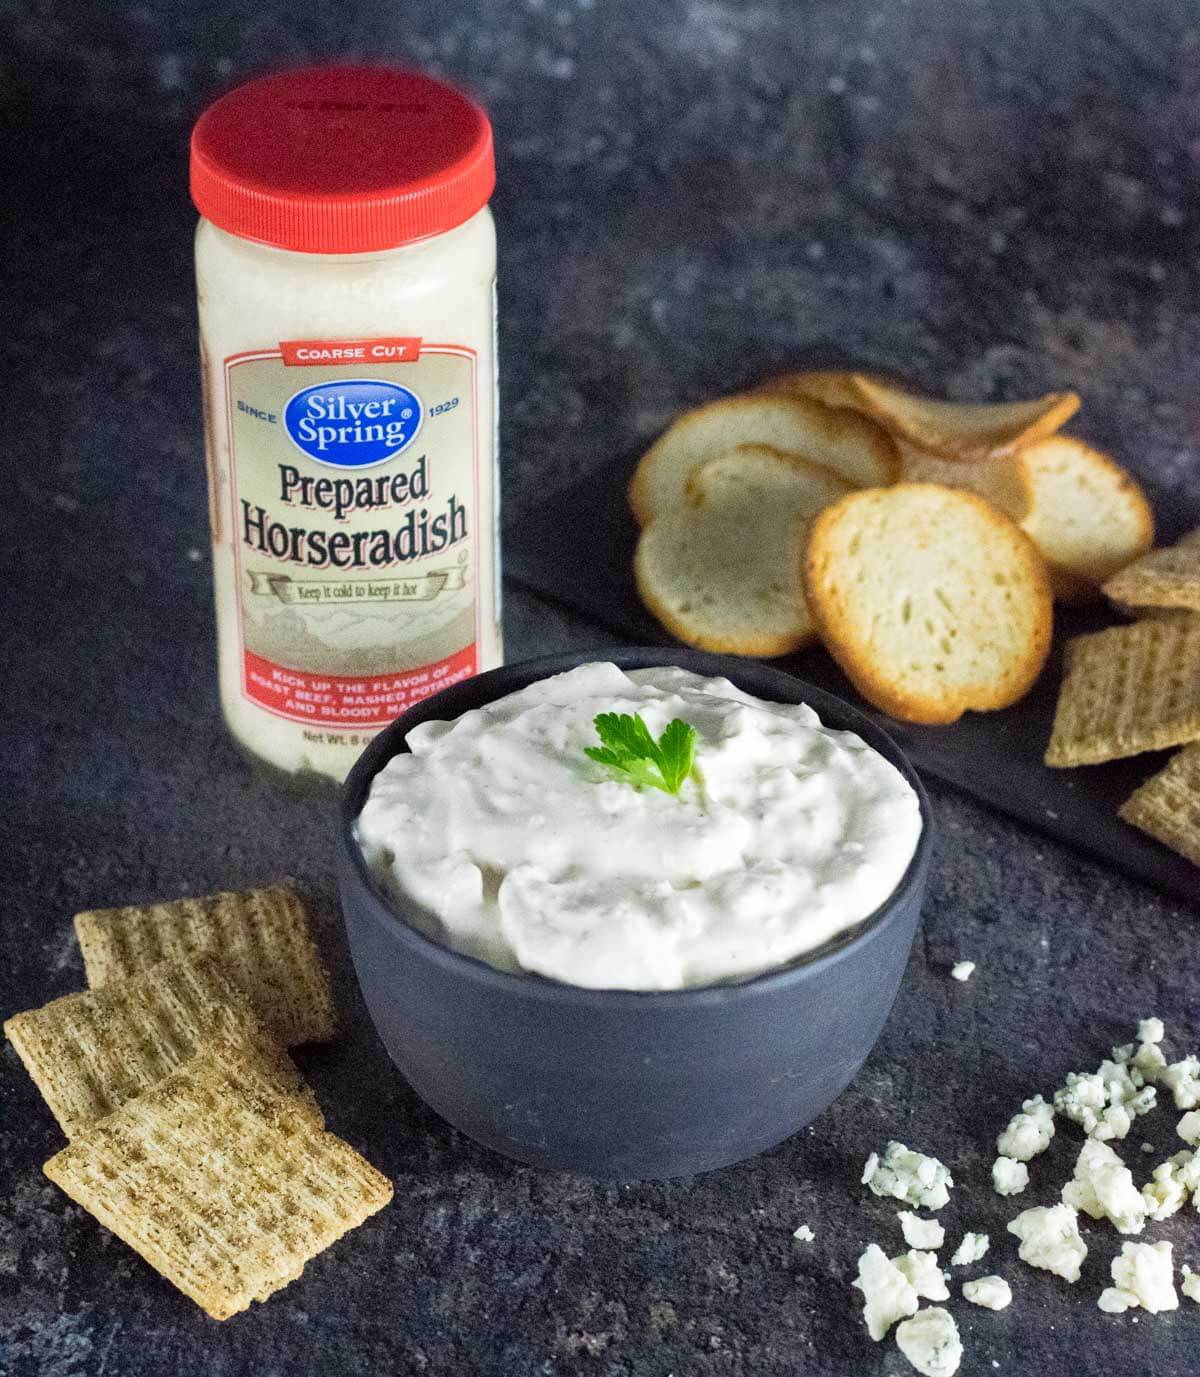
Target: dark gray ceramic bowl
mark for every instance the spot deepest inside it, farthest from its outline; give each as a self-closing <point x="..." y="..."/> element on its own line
<point x="616" y="1083"/>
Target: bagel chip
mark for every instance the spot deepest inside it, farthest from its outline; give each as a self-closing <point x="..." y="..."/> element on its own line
<point x="723" y="572"/>
<point x="853" y="446"/>
<point x="930" y="600"/>
<point x="1088" y="517"/>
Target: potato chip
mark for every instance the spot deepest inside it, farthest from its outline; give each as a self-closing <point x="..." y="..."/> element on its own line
<point x="963" y="430"/>
<point x="1002" y="481"/>
<point x="829" y="386"/>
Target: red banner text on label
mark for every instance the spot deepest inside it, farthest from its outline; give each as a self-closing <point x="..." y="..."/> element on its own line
<point x="334" y="700"/>
<point x="312" y="353"/>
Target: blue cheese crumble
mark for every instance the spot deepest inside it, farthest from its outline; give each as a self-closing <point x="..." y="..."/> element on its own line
<point x="1143" y="1277"/>
<point x="1029" y="1132"/>
<point x="1009" y="1177"/>
<point x="993" y="1293"/>
<point x="888" y="1295"/>
<point x="923" y="1273"/>
<point x="1050" y="1239"/>
<point x="1103" y="1188"/>
<point x="970" y="1250"/>
<point x="921" y="1233"/>
<point x="930" y="1342"/>
<point x="909" y="1176"/>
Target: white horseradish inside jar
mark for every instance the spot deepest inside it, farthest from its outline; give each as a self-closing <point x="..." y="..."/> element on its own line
<point x="345" y="270"/>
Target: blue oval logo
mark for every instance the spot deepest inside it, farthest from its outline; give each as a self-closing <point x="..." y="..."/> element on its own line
<point x="353" y="423"/>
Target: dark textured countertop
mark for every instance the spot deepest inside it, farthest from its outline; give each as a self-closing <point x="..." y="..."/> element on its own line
<point x="994" y="197"/>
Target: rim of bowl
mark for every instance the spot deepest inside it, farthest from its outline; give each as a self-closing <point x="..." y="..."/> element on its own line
<point x="529" y="984"/>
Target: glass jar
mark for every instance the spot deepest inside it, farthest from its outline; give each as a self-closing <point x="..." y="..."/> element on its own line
<point x="345" y="271"/>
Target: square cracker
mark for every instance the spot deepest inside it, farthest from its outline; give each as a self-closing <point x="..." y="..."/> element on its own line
<point x="1166" y="614"/>
<point x="261" y="935"/>
<point x="1127" y="690"/>
<point x="1167" y="806"/>
<point x="219" y="1183"/>
<point x="1169" y="577"/>
<point x="89" y="1053"/>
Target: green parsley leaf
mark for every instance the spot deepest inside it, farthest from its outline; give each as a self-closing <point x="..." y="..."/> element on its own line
<point x="629" y="749"/>
<point x="677" y="749"/>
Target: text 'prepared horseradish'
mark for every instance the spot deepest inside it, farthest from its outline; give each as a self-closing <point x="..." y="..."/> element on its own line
<point x="649" y="830"/>
<point x="345" y="265"/>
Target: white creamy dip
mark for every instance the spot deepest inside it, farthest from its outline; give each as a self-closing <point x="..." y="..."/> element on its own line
<point x="520" y="850"/>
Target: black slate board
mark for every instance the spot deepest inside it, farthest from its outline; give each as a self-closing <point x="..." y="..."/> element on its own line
<point x="577" y="551"/>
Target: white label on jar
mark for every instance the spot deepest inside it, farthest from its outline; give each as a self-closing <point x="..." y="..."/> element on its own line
<point x="497" y="581"/>
<point x="355" y="519"/>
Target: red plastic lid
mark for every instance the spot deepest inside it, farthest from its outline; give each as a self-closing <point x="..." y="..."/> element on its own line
<point x="341" y="159"/>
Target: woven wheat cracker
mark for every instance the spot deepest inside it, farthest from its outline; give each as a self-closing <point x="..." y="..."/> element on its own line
<point x="1167" y="806"/>
<point x="1166" y="578"/>
<point x="261" y="935"/>
<point x="1156" y="614"/>
<point x="220" y="1183"/>
<point x="89" y="1053"/>
<point x="1127" y="690"/>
